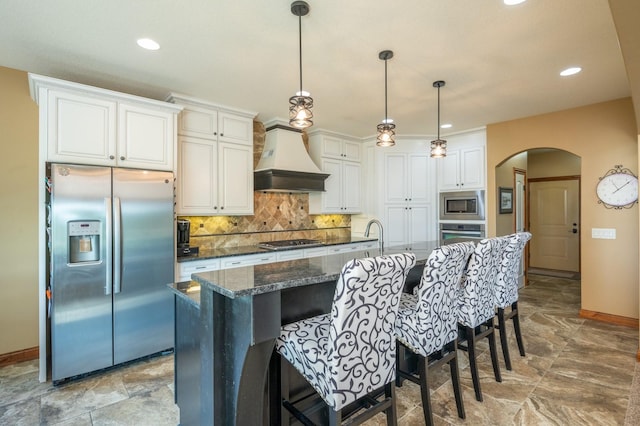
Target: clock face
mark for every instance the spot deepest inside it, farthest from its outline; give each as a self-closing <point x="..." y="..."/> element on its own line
<point x="618" y="189"/>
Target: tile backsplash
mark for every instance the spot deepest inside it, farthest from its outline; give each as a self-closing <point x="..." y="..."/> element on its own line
<point x="277" y="216"/>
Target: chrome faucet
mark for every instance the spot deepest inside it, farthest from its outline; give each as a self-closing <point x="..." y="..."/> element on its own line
<point x="380" y="237"/>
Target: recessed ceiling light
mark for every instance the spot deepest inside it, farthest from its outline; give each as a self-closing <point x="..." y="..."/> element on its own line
<point x="147" y="43"/>
<point x="513" y="2"/>
<point x="570" y="71"/>
<point x="446" y="126"/>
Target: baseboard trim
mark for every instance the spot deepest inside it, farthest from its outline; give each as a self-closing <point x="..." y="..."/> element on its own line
<point x="612" y="319"/>
<point x="19" y="356"/>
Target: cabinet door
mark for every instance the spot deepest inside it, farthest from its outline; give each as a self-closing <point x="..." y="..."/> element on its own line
<point x="396" y="225"/>
<point x="472" y="166"/>
<point x="81" y="129"/>
<point x="351" y="187"/>
<point x="421" y="223"/>
<point x="419" y="186"/>
<point x="351" y="150"/>
<point x="196" y="181"/>
<point x="234" y="128"/>
<point x="331" y="147"/>
<point x="235" y="174"/>
<point x="395" y="178"/>
<point x="449" y="171"/>
<point x="198" y="122"/>
<point x="332" y="197"/>
<point x="146" y="138"/>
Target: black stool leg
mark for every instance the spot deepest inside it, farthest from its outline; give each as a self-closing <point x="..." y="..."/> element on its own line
<point x="503" y="338"/>
<point x="455" y="379"/>
<point x="492" y="348"/>
<point x="391" y="412"/>
<point x="516" y="326"/>
<point x="423" y="369"/>
<point x="473" y="366"/>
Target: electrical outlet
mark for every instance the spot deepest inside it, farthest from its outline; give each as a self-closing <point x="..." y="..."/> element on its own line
<point x="603" y="233"/>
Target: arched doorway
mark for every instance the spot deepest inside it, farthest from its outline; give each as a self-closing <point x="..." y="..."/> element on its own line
<point x="547" y="204"/>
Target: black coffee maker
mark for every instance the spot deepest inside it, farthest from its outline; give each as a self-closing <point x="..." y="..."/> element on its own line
<point x="183" y="227"/>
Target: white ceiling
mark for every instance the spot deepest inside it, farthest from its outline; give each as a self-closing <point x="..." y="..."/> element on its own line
<point x="499" y="62"/>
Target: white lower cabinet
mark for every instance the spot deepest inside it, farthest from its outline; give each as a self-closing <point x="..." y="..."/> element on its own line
<point x="247" y="260"/>
<point x="185" y="269"/>
<point x="289" y="255"/>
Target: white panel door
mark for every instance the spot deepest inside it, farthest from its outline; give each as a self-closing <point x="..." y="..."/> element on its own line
<point x="419" y="186"/>
<point x="332" y="197"/>
<point x="554" y="210"/>
<point x="395" y="178"/>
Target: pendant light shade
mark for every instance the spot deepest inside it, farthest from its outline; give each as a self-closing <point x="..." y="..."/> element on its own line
<point x="386" y="129"/>
<point x="438" y="146"/>
<point x="300" y="114"/>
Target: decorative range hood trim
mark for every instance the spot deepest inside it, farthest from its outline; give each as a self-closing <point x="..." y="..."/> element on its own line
<point x="274" y="180"/>
<point x="285" y="164"/>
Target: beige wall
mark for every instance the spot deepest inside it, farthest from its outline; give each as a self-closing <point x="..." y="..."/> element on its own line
<point x="609" y="267"/>
<point x="554" y="163"/>
<point x="505" y="223"/>
<point x="19" y="214"/>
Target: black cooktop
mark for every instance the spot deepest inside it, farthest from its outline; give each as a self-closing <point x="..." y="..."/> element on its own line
<point x="287" y="244"/>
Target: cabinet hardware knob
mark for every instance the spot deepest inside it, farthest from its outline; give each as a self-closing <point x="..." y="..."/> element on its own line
<point x="221" y="134"/>
<point x="222" y="208"/>
<point x="111" y="157"/>
<point x="215" y="133"/>
<point x="122" y="157"/>
<point x="215" y="207"/>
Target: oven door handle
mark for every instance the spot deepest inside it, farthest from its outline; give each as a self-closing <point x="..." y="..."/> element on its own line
<point x="469" y="233"/>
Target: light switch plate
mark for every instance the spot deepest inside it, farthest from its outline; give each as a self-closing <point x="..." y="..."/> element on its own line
<point x="603" y="233"/>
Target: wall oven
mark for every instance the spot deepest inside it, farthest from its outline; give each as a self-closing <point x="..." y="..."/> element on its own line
<point x="462" y="205"/>
<point x="456" y="232"/>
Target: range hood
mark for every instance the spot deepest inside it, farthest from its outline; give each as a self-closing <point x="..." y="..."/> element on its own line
<point x="285" y="165"/>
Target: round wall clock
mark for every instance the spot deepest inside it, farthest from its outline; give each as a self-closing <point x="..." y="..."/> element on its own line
<point x="618" y="188"/>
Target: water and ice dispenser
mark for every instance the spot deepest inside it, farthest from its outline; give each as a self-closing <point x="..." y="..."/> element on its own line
<point x="84" y="241"/>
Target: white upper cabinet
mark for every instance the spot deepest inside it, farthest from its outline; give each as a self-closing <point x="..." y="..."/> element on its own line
<point x="146" y="137"/>
<point x="88" y="125"/>
<point x="406" y="178"/>
<point x="340" y="158"/>
<point x="464" y="167"/>
<point x="334" y="147"/>
<point x="215" y="159"/>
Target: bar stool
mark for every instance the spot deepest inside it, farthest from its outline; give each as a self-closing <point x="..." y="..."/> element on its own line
<point x="427" y="323"/>
<point x="476" y="308"/>
<point x="506" y="292"/>
<point x="348" y="354"/>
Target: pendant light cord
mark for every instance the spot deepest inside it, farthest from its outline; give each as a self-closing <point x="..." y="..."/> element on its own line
<point x="438" y="112"/>
<point x="300" y="49"/>
<point x="386" y="118"/>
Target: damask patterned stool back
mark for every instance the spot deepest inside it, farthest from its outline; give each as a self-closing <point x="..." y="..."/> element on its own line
<point x="506" y="291"/>
<point x="427" y="323"/>
<point x="350" y="352"/>
<point x="476" y="308"/>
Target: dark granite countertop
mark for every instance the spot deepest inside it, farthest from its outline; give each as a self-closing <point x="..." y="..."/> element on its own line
<point x="242" y="250"/>
<point x="251" y="280"/>
<point x="189" y="290"/>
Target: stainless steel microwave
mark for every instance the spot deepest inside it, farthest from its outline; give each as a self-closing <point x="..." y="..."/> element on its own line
<point x="462" y="205"/>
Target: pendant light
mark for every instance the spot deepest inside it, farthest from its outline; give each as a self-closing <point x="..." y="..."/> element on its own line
<point x="386" y="132"/>
<point x="300" y="114"/>
<point x="438" y="146"/>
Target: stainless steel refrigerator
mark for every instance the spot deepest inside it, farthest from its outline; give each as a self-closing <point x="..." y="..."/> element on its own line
<point x="111" y="242"/>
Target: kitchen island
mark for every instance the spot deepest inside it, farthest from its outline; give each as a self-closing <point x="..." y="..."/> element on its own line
<point x="233" y="326"/>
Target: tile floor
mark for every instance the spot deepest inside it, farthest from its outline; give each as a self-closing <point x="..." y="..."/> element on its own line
<point x="576" y="372"/>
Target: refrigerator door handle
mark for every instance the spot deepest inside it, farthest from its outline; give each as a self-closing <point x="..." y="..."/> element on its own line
<point x="117" y="242"/>
<point x="109" y="238"/>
